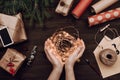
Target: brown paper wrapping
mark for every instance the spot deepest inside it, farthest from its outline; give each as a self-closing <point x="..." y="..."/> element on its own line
<point x="17" y="58"/>
<point x="15" y="26"/>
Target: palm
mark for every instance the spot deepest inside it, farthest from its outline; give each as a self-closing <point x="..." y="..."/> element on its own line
<point x="53" y="57"/>
<point x="77" y="53"/>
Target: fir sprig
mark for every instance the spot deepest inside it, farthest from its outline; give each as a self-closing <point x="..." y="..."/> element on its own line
<point x="34" y="10"/>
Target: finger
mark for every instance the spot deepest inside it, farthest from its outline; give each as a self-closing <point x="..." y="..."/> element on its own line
<point x="75" y="52"/>
<point x="83" y="44"/>
<point x="81" y="52"/>
<point x="78" y="42"/>
<point x="47" y="48"/>
<point x="47" y="54"/>
<point x="48" y="44"/>
<point x="78" y="39"/>
<point x="52" y="54"/>
<point x="51" y="51"/>
<point x="55" y="57"/>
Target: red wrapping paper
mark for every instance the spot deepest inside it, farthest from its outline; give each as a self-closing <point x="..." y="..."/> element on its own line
<point x="103" y="17"/>
<point x="80" y="8"/>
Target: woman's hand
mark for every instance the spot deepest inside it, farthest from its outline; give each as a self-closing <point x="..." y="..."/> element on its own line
<point x="51" y="54"/>
<point x="55" y="60"/>
<point x="76" y="54"/>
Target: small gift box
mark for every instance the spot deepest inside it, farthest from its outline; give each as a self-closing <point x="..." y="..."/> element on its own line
<point x="12" y="60"/>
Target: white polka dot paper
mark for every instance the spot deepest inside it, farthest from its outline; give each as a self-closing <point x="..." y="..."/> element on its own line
<point x="103" y="17"/>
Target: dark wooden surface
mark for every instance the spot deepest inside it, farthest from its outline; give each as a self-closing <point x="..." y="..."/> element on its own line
<point x="41" y="67"/>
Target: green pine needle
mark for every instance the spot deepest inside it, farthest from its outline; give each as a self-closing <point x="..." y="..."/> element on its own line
<point x="27" y="7"/>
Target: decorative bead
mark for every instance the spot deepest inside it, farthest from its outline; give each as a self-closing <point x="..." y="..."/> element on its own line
<point x="32" y="57"/>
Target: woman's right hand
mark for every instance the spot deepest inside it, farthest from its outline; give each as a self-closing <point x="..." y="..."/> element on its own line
<point x="51" y="54"/>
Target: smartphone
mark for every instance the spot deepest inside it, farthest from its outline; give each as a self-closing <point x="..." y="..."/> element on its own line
<point x="5" y="36"/>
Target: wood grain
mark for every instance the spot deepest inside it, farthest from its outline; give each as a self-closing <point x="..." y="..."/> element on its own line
<point x="41" y="67"/>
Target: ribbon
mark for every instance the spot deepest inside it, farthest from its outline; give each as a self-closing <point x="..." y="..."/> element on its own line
<point x="11" y="65"/>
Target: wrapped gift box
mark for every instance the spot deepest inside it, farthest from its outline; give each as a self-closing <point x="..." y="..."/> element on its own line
<point x="12" y="60"/>
<point x="15" y="26"/>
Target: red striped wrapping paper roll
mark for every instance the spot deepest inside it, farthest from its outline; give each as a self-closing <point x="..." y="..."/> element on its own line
<point x="103" y="17"/>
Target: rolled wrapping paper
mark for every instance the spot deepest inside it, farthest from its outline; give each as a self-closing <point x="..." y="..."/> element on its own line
<point x="101" y="5"/>
<point x="103" y="17"/>
<point x="80" y="8"/>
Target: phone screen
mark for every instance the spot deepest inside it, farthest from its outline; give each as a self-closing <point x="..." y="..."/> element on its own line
<point x="5" y="37"/>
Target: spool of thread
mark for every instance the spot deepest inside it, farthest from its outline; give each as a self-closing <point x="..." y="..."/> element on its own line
<point x="101" y="5"/>
<point x="103" y="17"/>
<point x="80" y="8"/>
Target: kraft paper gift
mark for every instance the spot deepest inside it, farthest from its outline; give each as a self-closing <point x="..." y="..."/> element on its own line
<point x="12" y="60"/>
<point x="15" y="26"/>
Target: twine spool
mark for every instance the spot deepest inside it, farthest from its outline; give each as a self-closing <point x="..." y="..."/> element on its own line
<point x="108" y="57"/>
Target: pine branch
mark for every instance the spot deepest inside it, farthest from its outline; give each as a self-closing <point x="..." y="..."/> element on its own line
<point x="35" y="10"/>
